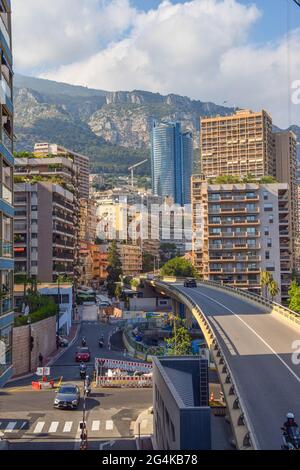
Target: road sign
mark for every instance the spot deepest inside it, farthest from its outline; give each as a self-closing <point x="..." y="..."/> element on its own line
<point x="43" y="371"/>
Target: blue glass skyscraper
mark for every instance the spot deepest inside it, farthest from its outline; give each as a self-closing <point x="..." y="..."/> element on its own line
<point x="172" y="161"/>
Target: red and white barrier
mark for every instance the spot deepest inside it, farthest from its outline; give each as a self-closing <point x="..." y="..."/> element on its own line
<point x="126" y="381"/>
<point x="122" y="365"/>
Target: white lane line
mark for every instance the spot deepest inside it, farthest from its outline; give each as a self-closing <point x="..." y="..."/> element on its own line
<point x="109" y="425"/>
<point x="68" y="426"/>
<point x="39" y="427"/>
<point x="10" y="427"/>
<point x="96" y="426"/>
<point x="53" y="427"/>
<point x="256" y="334"/>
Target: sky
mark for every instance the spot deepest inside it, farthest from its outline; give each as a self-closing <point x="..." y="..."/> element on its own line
<point x="242" y="52"/>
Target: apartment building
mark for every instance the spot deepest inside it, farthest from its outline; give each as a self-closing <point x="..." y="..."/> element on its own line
<point x="81" y="161"/>
<point x="241" y="230"/>
<point x="88" y="220"/>
<point x="131" y="259"/>
<point x="6" y="195"/>
<point x="46" y="218"/>
<point x="240" y="144"/>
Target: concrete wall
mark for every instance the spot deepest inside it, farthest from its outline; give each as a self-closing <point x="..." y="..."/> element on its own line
<point x="44" y="334"/>
<point x="175" y="426"/>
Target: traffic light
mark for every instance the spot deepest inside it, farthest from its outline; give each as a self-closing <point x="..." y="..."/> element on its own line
<point x="31" y="343"/>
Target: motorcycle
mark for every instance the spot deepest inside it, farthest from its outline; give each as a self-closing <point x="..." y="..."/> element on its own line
<point x="291" y="440"/>
<point x="82" y="373"/>
<point x="83" y="342"/>
<point x="100" y="343"/>
<point x="87" y="390"/>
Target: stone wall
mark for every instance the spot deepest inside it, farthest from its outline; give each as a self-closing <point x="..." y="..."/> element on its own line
<point x="44" y="334"/>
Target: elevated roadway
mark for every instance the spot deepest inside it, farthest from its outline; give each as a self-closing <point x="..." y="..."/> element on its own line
<point x="257" y="345"/>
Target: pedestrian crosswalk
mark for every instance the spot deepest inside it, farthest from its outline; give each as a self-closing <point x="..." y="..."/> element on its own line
<point x="53" y="427"/>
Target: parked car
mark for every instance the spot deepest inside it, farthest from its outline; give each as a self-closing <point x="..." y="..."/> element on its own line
<point x="63" y="342"/>
<point x="67" y="396"/>
<point x="104" y="304"/>
<point x="190" y="283"/>
<point x="83" y="355"/>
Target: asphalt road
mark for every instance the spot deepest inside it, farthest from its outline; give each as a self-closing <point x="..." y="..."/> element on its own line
<point x="258" y="348"/>
<point x="29" y="420"/>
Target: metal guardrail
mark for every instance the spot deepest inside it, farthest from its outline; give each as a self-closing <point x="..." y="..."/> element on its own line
<point x="244" y="436"/>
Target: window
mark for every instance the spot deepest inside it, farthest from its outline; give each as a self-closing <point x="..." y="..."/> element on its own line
<point x="34" y="263"/>
<point x="34" y="208"/>
<point x="266" y="230"/>
<point x="269" y="242"/>
<point x="271" y="219"/>
<point x="267" y="255"/>
<point x="268" y="207"/>
<point x="266" y="195"/>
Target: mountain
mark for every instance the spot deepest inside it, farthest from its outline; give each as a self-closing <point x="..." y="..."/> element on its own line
<point x="112" y="128"/>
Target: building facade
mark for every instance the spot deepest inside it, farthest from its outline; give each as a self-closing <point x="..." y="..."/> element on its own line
<point x="171" y="161"/>
<point x="241" y="230"/>
<point x="81" y="161"/>
<point x="46" y="228"/>
<point x="181" y="412"/>
<point x="131" y="259"/>
<point x="6" y="196"/>
<point x="240" y="144"/>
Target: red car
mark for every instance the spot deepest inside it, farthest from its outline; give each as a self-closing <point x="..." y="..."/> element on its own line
<point x="83" y="355"/>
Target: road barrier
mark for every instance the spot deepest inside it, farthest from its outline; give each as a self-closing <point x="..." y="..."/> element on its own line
<point x="122" y="365"/>
<point x="124" y="382"/>
<point x="241" y="425"/>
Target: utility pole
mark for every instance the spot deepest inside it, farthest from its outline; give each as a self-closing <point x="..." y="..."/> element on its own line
<point x="83" y="426"/>
<point x="30" y="343"/>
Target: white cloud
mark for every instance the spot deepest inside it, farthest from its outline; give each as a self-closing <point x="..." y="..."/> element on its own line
<point x="48" y="34"/>
<point x="199" y="48"/>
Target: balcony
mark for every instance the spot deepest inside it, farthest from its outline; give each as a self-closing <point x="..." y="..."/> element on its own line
<point x="6" y="249"/>
<point x="6" y="304"/>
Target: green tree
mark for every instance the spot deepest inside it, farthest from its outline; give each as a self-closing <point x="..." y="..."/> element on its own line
<point x="180" y="343"/>
<point x="114" y="268"/>
<point x="265" y="280"/>
<point x="118" y="291"/>
<point x="148" y="262"/>
<point x="294" y="297"/>
<point x="267" y="180"/>
<point x="273" y="289"/>
<point x="180" y="267"/>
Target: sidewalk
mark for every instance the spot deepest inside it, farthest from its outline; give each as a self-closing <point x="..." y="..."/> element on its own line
<point x="74" y="331"/>
<point x="143" y="430"/>
<point x="48" y="361"/>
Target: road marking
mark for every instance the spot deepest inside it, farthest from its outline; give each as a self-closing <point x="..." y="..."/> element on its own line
<point x="256" y="334"/>
<point x="39" y="427"/>
<point x="53" y="427"/>
<point x="109" y="425"/>
<point x="68" y="426"/>
<point x="96" y="426"/>
<point x="10" y="427"/>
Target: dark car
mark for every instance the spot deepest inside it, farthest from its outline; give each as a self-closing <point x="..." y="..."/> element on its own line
<point x="83" y="355"/>
<point x="67" y="396"/>
<point x="190" y="283"/>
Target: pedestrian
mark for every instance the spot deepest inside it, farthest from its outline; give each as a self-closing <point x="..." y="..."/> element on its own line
<point x="41" y="360"/>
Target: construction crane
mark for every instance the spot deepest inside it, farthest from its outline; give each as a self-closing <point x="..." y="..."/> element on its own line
<point x="297" y="2"/>
<point x="133" y="167"/>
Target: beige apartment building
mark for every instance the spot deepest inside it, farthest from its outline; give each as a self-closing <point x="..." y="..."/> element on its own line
<point x="240" y="144"/>
<point x="131" y="259"/>
<point x="81" y="161"/>
<point x="241" y="230"/>
<point x="46" y="218"/>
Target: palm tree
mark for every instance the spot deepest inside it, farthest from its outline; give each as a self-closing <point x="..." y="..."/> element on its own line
<point x="273" y="289"/>
<point x="265" y="280"/>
